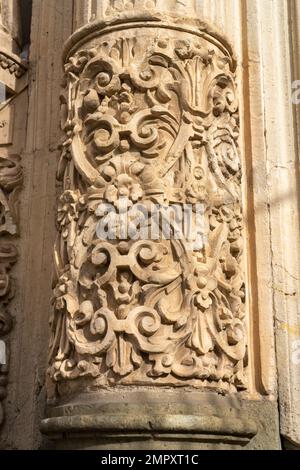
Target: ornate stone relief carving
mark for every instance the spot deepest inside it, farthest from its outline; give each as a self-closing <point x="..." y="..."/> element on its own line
<point x="113" y="7"/>
<point x="11" y="178"/>
<point x="13" y="83"/>
<point x="150" y="114"/>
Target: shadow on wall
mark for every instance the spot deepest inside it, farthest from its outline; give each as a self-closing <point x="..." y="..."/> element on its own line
<point x="25" y="7"/>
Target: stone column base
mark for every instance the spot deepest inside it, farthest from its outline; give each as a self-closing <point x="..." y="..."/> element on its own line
<point x="148" y="419"/>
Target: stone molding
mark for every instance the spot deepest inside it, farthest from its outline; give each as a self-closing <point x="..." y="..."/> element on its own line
<point x="154" y="313"/>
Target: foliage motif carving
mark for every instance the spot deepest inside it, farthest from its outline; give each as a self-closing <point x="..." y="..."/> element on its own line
<point x="152" y="117"/>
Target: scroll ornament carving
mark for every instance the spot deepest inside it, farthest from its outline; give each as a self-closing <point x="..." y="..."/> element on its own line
<point x="115" y="6"/>
<point x="11" y="177"/>
<point x="155" y="119"/>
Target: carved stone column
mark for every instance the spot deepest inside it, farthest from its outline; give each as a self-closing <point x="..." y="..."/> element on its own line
<point x="150" y="340"/>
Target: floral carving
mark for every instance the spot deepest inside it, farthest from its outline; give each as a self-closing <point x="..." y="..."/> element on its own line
<point x="151" y="117"/>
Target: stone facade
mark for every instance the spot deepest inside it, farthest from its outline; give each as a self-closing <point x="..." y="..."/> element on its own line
<point x="157" y="338"/>
<point x="13" y="83"/>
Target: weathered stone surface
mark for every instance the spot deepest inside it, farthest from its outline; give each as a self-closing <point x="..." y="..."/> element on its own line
<point x="284" y="197"/>
<point x="10" y="26"/>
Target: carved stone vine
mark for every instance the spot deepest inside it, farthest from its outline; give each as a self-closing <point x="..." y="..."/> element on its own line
<point x="11" y="178"/>
<point x="150" y="114"/>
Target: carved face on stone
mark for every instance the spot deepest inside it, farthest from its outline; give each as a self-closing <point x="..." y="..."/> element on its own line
<point x="150" y="115"/>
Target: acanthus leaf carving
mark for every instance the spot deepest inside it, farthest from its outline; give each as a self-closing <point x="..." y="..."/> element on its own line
<point x="149" y="119"/>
